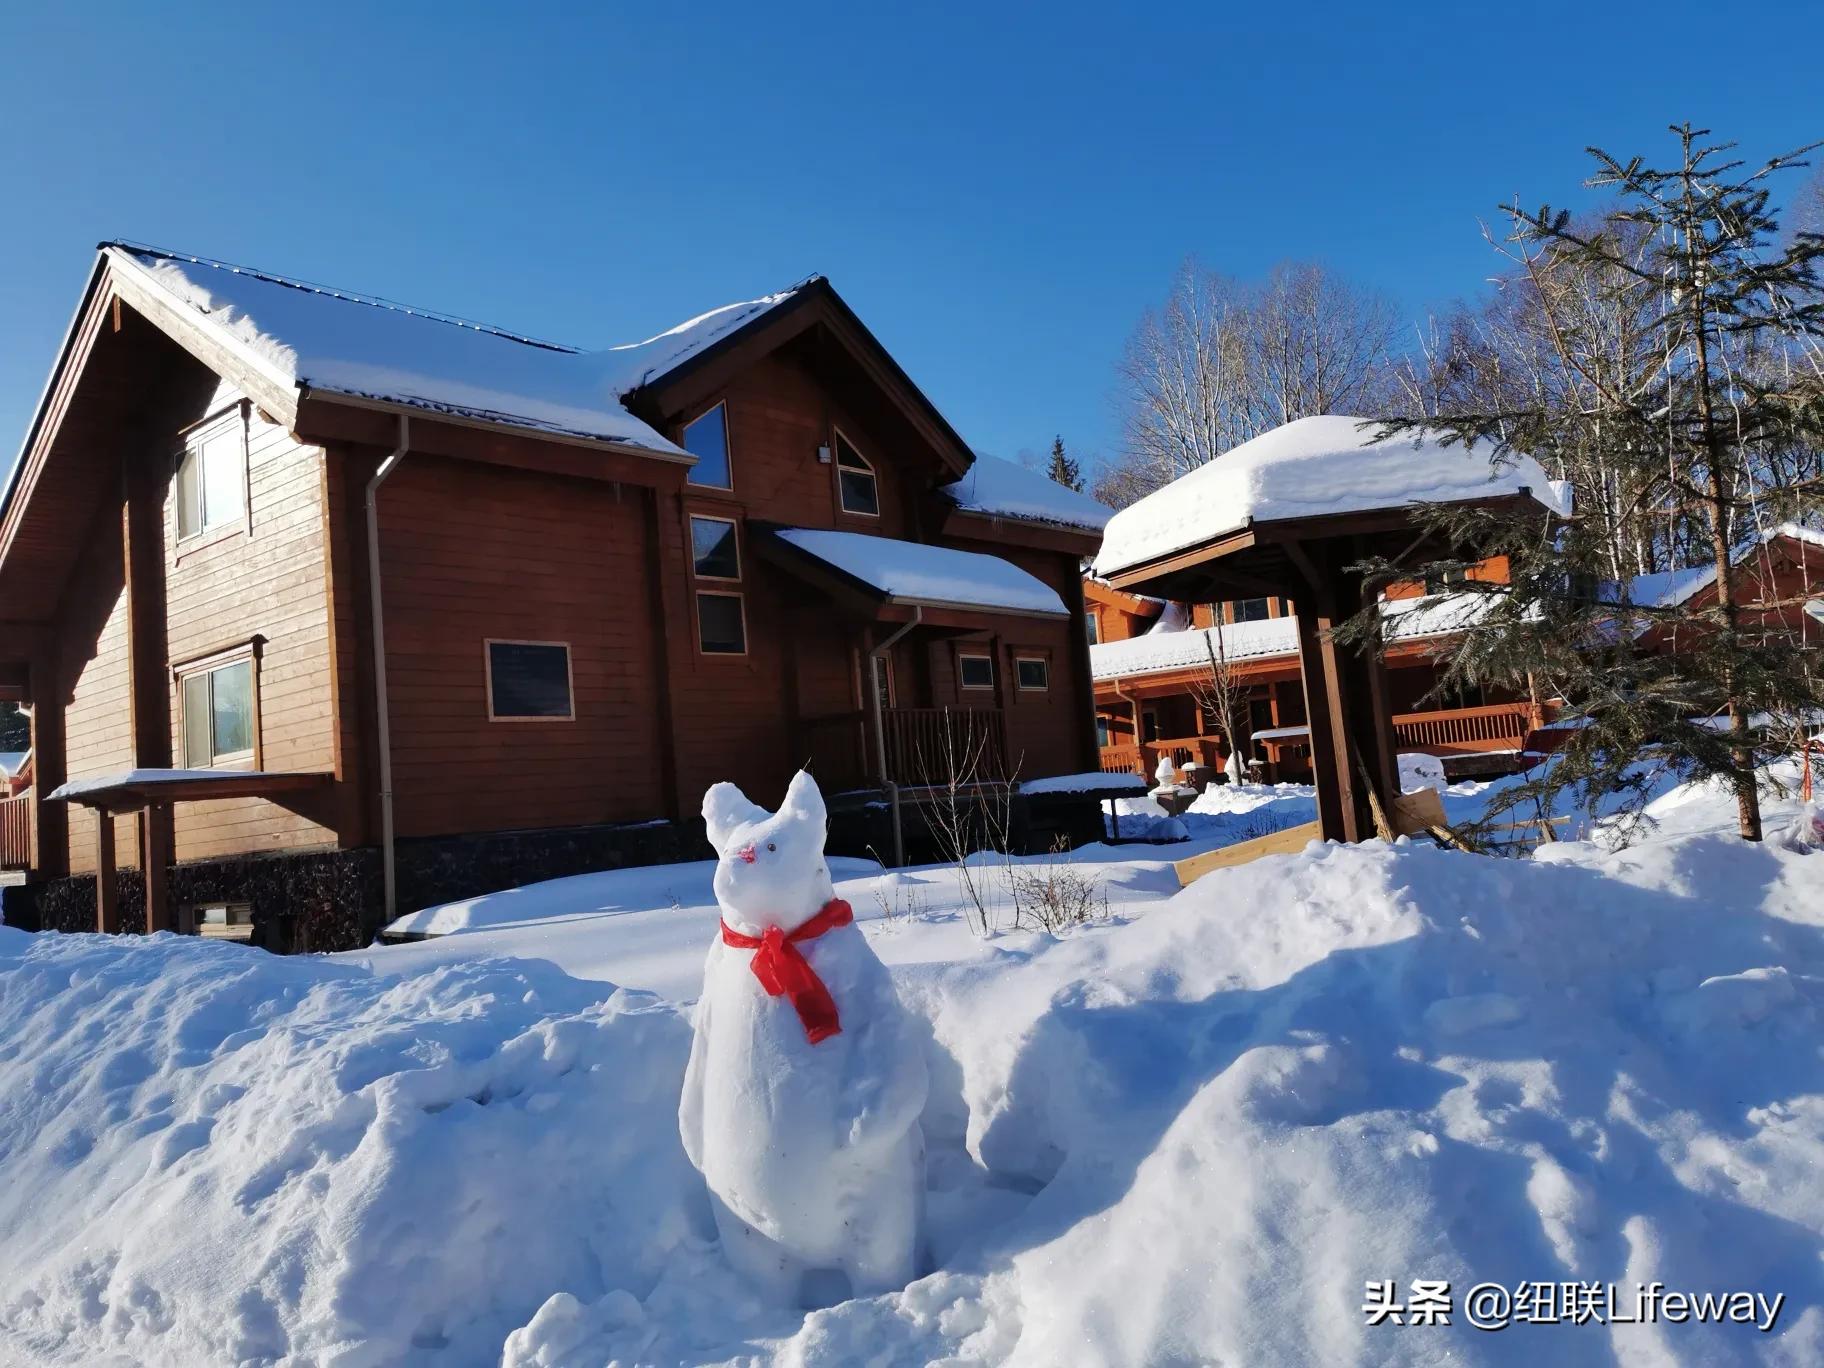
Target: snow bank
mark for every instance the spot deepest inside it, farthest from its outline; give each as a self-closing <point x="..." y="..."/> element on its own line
<point x="1004" y="489"/>
<point x="214" y="1155"/>
<point x="1128" y="785"/>
<point x="1310" y="468"/>
<point x="1190" y="1132"/>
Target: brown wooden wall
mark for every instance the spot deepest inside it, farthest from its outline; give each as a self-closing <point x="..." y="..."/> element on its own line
<point x="93" y="681"/>
<point x="267" y="580"/>
<point x="471" y="552"/>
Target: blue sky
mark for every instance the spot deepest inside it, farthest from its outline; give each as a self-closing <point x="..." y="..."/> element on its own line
<point x="998" y="190"/>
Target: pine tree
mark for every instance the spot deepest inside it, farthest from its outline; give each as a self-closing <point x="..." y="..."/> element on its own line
<point x="1062" y="469"/>
<point x="1711" y="445"/>
<point x="15" y="728"/>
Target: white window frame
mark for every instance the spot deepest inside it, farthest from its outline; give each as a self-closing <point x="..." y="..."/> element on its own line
<point x="728" y="449"/>
<point x="195" y="440"/>
<point x="734" y="525"/>
<point x="741" y="602"/>
<point x="843" y="439"/>
<point x="487" y="672"/>
<point x="984" y="656"/>
<point x="1043" y="662"/>
<point x="208" y="666"/>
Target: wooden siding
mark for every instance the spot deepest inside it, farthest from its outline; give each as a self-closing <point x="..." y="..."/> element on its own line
<point x="93" y="678"/>
<point x="471" y="552"/>
<point x="265" y="580"/>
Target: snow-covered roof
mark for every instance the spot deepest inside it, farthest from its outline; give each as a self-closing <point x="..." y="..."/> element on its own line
<point x="1004" y="489"/>
<point x="139" y="779"/>
<point x="1092" y="782"/>
<point x="1669" y="588"/>
<point x="1408" y="619"/>
<point x="633" y="364"/>
<point x="934" y="576"/>
<point x="1311" y="468"/>
<point x="1179" y="650"/>
<point x="339" y="342"/>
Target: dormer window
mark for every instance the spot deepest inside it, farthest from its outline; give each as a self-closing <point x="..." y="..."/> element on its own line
<point x="706" y="438"/>
<point x="856" y="482"/>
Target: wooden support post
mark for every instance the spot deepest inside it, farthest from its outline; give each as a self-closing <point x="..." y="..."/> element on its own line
<point x="155" y="863"/>
<point x="107" y="888"/>
<point x="50" y="821"/>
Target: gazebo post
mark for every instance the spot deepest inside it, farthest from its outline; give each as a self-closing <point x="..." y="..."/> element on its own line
<point x="107" y="891"/>
<point x="155" y="859"/>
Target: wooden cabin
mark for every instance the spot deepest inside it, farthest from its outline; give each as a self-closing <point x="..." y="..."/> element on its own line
<point x="1154" y="661"/>
<point x="1152" y="669"/>
<point x="599" y="582"/>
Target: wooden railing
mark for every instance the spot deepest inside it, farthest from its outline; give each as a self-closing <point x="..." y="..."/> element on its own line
<point x="1465" y="731"/>
<point x="924" y="746"/>
<point x="1120" y="759"/>
<point x="16" y="832"/>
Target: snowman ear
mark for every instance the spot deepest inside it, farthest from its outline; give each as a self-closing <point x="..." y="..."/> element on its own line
<point x="725" y="810"/>
<point x="803" y="799"/>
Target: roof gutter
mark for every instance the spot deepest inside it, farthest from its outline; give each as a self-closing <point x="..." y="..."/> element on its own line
<point x="382" y="716"/>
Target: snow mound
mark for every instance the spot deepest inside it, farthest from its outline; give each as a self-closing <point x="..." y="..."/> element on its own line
<point x="219" y="1156"/>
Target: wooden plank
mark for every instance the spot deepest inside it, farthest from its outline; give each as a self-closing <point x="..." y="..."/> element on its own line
<point x="1287" y="842"/>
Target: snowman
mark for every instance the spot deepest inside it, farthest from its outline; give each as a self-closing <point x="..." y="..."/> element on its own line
<point x="806" y="1078"/>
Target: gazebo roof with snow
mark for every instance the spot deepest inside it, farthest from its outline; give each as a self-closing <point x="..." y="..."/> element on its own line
<point x="1289" y="513"/>
<point x="1236" y="524"/>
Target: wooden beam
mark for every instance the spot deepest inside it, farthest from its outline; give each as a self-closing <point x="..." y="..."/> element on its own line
<point x="50" y="821"/>
<point x="155" y="841"/>
<point x="107" y="888"/>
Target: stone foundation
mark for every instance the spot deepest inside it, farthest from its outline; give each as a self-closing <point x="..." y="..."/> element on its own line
<point x="334" y="899"/>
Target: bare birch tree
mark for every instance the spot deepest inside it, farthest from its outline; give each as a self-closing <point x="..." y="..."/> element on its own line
<point x="1222" y="361"/>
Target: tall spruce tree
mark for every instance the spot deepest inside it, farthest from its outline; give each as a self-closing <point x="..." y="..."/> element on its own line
<point x="1062" y="468"/>
<point x="1711" y="445"/>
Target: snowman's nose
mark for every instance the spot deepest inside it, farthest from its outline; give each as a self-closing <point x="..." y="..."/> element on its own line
<point x="746" y="854"/>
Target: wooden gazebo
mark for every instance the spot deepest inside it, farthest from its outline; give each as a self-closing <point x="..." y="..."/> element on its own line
<point x="1239" y="528"/>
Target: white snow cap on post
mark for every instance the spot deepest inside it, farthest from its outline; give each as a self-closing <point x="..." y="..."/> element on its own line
<point x="1307" y="469"/>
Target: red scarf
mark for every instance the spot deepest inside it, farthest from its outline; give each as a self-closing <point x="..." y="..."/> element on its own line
<point x="781" y="968"/>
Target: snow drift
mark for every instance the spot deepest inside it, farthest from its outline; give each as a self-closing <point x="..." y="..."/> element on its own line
<point x="1189" y="1136"/>
<point x="219" y="1156"/>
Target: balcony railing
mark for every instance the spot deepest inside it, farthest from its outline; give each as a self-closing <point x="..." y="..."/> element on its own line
<point x="1465" y="731"/>
<point x="16" y="832"/>
<point x="1447" y="731"/>
<point x="924" y="746"/>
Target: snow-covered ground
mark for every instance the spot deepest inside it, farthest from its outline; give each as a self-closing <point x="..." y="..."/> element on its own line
<point x="1188" y="1132"/>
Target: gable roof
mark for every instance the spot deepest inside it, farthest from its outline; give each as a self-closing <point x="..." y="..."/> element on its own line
<point x="310" y="338"/>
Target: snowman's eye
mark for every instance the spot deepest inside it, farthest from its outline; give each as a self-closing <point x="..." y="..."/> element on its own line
<point x="771" y="846"/>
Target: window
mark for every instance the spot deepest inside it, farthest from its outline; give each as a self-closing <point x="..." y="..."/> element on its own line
<point x="1089" y="627"/>
<point x="1260" y="714"/>
<point x="855" y="481"/>
<point x="1251" y="610"/>
<point x="1102" y="738"/>
<point x="706" y="438"/>
<point x="975" y="671"/>
<point x="883" y="672"/>
<point x="218" y="714"/>
<point x="1149" y="726"/>
<point x="1032" y="673"/>
<point x="721" y="624"/>
<point x="212" y="475"/>
<point x="1444" y="580"/>
<point x="218" y="921"/>
<point x="529" y="681"/>
<point x="715" y="551"/>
